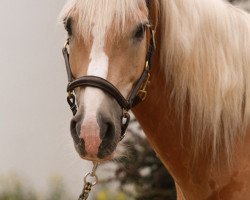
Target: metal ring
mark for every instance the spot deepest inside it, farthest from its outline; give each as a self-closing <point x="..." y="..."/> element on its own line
<point x="66" y="43"/>
<point x="147" y="66"/>
<point x="93" y="176"/>
<point x="69" y="93"/>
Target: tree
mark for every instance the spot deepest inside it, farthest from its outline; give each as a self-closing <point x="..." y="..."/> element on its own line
<point x="140" y="174"/>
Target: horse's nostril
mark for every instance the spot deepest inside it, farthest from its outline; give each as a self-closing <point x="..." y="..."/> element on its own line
<point x="107" y="131"/>
<point x="74" y="131"/>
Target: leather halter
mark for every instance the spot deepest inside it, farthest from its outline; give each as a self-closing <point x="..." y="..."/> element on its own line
<point x="137" y="94"/>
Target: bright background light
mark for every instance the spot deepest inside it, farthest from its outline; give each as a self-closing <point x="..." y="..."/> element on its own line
<point x="35" y="140"/>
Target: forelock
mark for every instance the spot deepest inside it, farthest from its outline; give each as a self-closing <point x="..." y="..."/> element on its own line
<point x="103" y="14"/>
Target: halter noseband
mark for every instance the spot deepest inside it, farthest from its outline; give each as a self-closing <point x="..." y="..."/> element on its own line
<point x="137" y="94"/>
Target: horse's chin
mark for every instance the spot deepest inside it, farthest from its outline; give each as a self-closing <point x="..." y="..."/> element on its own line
<point x="104" y="154"/>
<point x="96" y="159"/>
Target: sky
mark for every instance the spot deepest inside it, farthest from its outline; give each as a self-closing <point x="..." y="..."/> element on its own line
<point x="34" y="116"/>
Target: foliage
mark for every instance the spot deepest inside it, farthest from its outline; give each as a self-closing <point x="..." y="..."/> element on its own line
<point x="145" y="171"/>
<point x="57" y="189"/>
<point x="140" y="174"/>
<point x="106" y="194"/>
<point x="11" y="188"/>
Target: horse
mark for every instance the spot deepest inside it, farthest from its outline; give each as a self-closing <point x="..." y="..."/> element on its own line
<point x="193" y="97"/>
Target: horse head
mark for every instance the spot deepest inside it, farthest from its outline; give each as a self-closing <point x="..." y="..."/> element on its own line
<point x="107" y="55"/>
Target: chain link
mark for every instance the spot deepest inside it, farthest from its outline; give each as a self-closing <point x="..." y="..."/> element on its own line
<point x="87" y="184"/>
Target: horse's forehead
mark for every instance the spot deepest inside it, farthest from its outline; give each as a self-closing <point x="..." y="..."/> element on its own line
<point x="113" y="33"/>
<point x="115" y="22"/>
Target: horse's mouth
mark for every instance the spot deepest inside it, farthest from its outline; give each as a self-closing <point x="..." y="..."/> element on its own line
<point x="106" y="152"/>
<point x="97" y="139"/>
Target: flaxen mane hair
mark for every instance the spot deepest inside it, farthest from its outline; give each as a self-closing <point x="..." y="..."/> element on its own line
<point x="102" y="13"/>
<point x="205" y="53"/>
<point x="205" y="47"/>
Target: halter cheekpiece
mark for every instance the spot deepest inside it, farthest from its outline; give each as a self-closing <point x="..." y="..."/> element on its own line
<point x="137" y="94"/>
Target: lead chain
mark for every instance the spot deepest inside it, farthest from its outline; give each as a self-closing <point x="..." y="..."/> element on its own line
<point x="87" y="184"/>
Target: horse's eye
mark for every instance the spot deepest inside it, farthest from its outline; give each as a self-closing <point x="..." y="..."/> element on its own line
<point x="140" y="31"/>
<point x="68" y="26"/>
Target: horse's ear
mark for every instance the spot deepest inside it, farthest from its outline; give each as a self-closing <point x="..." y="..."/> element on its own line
<point x="153" y="8"/>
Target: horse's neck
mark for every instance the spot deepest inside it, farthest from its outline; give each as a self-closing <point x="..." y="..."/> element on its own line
<point x="173" y="145"/>
<point x="161" y="126"/>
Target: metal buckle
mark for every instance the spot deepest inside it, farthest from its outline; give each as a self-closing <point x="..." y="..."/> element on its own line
<point x="153" y="32"/>
<point x="142" y="93"/>
<point x="153" y="38"/>
<point x="66" y="44"/>
<point x="71" y="99"/>
<point x="147" y="66"/>
<point x="125" y="119"/>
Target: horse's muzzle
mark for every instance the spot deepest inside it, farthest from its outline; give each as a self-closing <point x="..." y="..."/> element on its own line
<point x="96" y="137"/>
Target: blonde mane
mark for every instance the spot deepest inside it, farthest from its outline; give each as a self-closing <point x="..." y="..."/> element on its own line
<point x="102" y="13"/>
<point x="204" y="51"/>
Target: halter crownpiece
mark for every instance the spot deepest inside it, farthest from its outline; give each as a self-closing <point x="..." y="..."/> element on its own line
<point x="137" y="94"/>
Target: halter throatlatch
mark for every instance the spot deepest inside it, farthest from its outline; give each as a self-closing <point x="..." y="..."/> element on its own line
<point x="137" y="94"/>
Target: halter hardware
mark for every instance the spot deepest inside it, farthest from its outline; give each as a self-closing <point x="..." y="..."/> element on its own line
<point x="142" y="93"/>
<point x="88" y="184"/>
<point x="137" y="94"/>
<point x="71" y="99"/>
<point x="124" y="122"/>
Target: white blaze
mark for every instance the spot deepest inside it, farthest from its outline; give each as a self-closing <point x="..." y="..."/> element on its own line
<point x="98" y="66"/>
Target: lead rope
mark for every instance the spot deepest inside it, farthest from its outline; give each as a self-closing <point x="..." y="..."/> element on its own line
<point x="88" y="184"/>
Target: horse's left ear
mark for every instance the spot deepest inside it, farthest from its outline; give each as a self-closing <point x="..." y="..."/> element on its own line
<point x="153" y="9"/>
